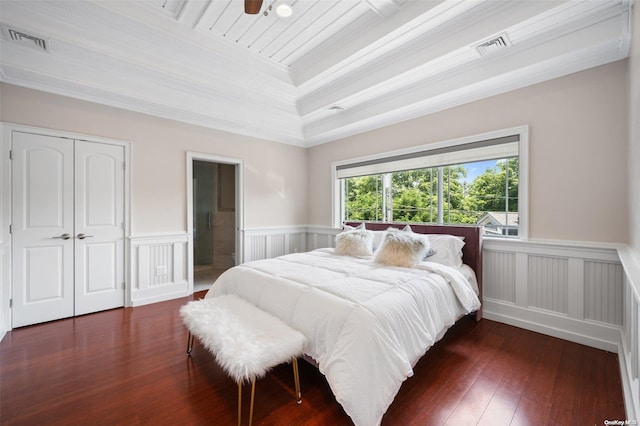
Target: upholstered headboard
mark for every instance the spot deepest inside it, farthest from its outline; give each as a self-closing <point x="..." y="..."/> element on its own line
<point x="471" y="252"/>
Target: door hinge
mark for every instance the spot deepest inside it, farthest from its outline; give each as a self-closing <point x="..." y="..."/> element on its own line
<point x="10" y="303"/>
<point x="124" y="166"/>
<point x="10" y="229"/>
<point x="10" y="154"/>
<point x="124" y="286"/>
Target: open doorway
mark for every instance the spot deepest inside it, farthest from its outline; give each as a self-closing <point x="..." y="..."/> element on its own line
<point x="214" y="219"/>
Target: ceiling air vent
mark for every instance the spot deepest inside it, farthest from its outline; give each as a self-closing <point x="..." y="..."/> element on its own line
<point x="21" y="37"/>
<point x="494" y="45"/>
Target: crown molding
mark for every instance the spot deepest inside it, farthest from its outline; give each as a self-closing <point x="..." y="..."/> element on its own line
<point x="409" y="58"/>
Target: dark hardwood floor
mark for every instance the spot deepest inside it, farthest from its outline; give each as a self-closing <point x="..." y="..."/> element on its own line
<point x="129" y="367"/>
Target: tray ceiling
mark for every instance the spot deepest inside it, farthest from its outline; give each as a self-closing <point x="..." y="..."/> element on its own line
<point x="333" y="69"/>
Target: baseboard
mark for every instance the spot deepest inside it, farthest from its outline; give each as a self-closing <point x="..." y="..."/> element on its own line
<point x="593" y="334"/>
<point x="161" y="294"/>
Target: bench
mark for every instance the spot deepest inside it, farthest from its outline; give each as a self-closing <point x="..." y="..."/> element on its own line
<point x="245" y="340"/>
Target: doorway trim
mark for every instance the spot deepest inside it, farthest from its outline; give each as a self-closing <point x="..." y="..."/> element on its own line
<point x="210" y="158"/>
<point x="6" y="261"/>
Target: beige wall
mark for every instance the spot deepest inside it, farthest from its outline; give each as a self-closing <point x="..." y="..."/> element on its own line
<point x="274" y="174"/>
<point x="634" y="132"/>
<point x="578" y="151"/>
<point x="578" y="136"/>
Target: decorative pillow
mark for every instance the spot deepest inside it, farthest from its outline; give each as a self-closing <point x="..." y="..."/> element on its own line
<point x="448" y="249"/>
<point x="407" y="228"/>
<point x="354" y="243"/>
<point x="378" y="236"/>
<point x="401" y="248"/>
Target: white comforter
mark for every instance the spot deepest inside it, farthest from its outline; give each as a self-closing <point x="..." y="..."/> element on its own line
<point x="367" y="324"/>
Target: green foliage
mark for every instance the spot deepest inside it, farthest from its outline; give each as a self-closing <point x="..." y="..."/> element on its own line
<point x="488" y="189"/>
<point x="414" y="194"/>
<point x="363" y="198"/>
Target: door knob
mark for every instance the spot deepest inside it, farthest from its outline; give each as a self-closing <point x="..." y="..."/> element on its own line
<point x="64" y="236"/>
<point x="82" y="236"/>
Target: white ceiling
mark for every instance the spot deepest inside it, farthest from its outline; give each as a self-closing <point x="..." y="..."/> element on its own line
<point x="333" y="69"/>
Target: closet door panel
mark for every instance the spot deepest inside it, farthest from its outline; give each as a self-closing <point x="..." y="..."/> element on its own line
<point x="99" y="231"/>
<point x="42" y="228"/>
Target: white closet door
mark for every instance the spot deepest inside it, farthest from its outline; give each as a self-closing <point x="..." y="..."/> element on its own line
<point x="99" y="233"/>
<point x="42" y="227"/>
<point x="67" y="227"/>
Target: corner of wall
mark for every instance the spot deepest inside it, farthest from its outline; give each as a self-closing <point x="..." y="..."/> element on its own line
<point x="634" y="131"/>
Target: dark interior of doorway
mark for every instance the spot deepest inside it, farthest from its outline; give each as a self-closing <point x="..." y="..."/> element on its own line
<point x="214" y="221"/>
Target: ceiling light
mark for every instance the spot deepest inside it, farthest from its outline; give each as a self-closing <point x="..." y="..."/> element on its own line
<point x="284" y="10"/>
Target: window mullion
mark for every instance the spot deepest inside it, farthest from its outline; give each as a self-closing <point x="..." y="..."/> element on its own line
<point x="506" y="196"/>
<point x="440" y="195"/>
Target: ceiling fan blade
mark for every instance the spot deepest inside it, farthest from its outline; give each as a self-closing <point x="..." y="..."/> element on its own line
<point x="252" y="7"/>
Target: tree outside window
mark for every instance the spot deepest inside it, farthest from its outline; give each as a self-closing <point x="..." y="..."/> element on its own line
<point x="454" y="194"/>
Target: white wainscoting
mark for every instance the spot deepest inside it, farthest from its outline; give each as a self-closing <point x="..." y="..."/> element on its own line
<point x="318" y="237"/>
<point x="569" y="291"/>
<point x="583" y="293"/>
<point x="629" y="352"/>
<point x="264" y="243"/>
<point x="159" y="268"/>
<point x="5" y="310"/>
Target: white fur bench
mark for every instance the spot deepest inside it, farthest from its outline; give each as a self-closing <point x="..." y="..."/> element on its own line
<point x="245" y="340"/>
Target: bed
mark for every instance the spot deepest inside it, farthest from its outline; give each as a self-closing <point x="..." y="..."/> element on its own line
<point x="367" y="321"/>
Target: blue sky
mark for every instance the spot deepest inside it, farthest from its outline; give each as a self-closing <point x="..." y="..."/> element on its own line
<point x="478" y="168"/>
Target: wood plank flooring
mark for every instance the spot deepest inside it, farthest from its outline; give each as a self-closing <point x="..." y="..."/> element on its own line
<point x="129" y="367"/>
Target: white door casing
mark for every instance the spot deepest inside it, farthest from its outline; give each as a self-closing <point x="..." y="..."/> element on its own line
<point x="68" y="227"/>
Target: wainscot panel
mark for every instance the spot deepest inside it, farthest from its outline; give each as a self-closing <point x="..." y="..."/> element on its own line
<point x="566" y="290"/>
<point x="159" y="268"/>
<point x="318" y="237"/>
<point x="5" y="317"/>
<point x="264" y="243"/>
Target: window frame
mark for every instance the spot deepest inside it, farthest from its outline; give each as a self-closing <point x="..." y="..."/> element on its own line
<point x="337" y="187"/>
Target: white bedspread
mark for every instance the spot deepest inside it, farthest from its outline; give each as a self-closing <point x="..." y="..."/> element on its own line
<point x="367" y="324"/>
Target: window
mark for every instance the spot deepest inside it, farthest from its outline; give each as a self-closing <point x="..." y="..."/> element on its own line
<point x="477" y="180"/>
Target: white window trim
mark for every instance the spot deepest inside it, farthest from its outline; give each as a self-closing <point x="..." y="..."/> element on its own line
<point x="523" y="180"/>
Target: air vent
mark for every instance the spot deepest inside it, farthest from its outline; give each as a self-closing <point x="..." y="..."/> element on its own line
<point x="494" y="45"/>
<point x="21" y="37"/>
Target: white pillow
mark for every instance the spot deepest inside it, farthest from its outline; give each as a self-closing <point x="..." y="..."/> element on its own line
<point x="378" y="236"/>
<point x="346" y="227"/>
<point x="401" y="248"/>
<point x="354" y="243"/>
<point x="447" y="248"/>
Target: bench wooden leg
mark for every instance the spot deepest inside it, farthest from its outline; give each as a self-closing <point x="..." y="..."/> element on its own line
<point x="253" y="394"/>
<point x="296" y="380"/>
<point x="190" y="343"/>
<point x="239" y="403"/>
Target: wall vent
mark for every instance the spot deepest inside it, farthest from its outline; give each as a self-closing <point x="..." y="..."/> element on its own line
<point x="494" y="45"/>
<point x="25" y="39"/>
